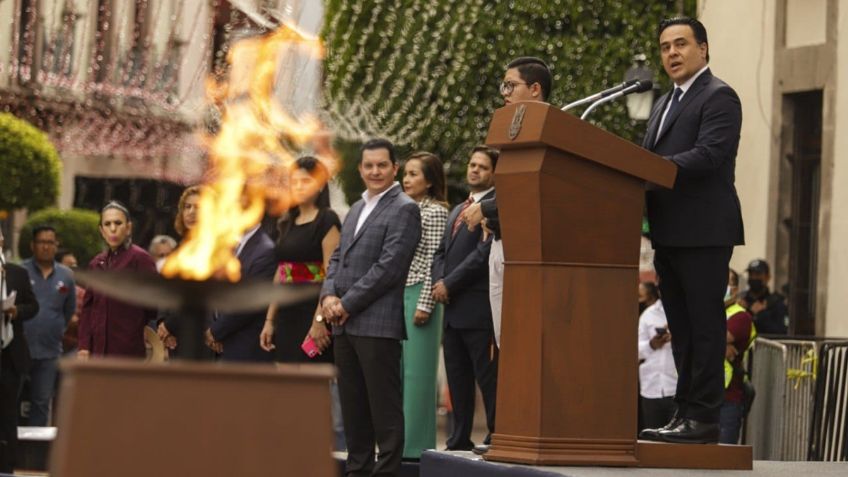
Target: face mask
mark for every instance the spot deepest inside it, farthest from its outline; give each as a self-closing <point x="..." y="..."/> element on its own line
<point x="756" y="285"/>
<point x="727" y="294"/>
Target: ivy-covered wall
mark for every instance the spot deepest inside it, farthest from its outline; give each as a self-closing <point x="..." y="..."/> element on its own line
<point x="425" y="73"/>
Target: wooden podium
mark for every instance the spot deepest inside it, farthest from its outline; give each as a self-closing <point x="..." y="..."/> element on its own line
<point x="570" y="199"/>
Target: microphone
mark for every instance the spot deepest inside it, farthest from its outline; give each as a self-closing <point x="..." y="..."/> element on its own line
<point x="639" y="86"/>
<point x="600" y="95"/>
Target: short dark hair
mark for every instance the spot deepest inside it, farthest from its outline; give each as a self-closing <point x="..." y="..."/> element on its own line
<point x="42" y="228"/>
<point x="651" y="289"/>
<point x="379" y="143"/>
<point x="698" y="29"/>
<point x="489" y="151"/>
<point x="534" y="70"/>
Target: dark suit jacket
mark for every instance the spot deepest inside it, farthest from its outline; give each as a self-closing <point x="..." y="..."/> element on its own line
<point x="239" y="332"/>
<point x="701" y="138"/>
<point x="17" y="279"/>
<point x="368" y="269"/>
<point x="463" y="263"/>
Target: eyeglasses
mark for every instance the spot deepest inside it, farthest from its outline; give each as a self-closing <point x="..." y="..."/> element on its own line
<point x="507" y="87"/>
<point x="45" y="242"/>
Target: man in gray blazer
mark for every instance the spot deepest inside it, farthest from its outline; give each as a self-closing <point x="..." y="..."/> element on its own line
<point x="362" y="298"/>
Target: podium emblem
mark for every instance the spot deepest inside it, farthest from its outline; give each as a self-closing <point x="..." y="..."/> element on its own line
<point x="517" y="120"/>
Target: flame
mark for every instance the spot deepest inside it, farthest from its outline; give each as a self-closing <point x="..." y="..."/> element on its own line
<point x="250" y="157"/>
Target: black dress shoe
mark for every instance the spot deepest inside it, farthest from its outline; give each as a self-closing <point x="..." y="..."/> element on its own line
<point x="480" y="449"/>
<point x="690" y="431"/>
<point x="654" y="434"/>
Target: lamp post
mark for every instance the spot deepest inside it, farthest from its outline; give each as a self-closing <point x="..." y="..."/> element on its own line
<point x="639" y="104"/>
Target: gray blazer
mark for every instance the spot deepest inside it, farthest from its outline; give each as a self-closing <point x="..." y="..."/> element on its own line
<point x="368" y="270"/>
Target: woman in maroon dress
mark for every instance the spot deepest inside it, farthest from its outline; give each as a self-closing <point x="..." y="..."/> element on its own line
<point x="109" y="327"/>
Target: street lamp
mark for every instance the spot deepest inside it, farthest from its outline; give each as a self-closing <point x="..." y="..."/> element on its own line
<point x="639" y="104"/>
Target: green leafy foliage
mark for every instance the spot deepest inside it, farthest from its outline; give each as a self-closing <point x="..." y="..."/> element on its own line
<point x="30" y="166"/>
<point x="425" y="73"/>
<point x="76" y="229"/>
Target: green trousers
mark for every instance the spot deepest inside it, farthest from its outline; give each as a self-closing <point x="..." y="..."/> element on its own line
<point x="420" y="363"/>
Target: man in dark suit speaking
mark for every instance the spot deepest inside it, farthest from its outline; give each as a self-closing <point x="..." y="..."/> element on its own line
<point x="362" y="298"/>
<point x="695" y="225"/>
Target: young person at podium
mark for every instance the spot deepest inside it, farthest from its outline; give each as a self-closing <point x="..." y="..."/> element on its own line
<point x="695" y="225"/>
<point x="526" y="79"/>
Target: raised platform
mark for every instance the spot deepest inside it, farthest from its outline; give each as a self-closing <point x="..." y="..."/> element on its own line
<point x="621" y="454"/>
<point x="466" y="464"/>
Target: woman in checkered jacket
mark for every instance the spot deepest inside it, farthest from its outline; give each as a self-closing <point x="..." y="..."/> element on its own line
<point x="423" y="181"/>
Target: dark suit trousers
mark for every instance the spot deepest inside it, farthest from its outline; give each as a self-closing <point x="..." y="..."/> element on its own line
<point x="693" y="281"/>
<point x="468" y="358"/>
<point x="10" y="385"/>
<point x="372" y="405"/>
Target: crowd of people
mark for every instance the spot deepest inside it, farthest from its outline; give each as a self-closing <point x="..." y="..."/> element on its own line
<point x="405" y="275"/>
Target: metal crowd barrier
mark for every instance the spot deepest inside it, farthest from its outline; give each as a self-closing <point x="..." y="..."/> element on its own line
<point x="783" y="373"/>
<point x="829" y="434"/>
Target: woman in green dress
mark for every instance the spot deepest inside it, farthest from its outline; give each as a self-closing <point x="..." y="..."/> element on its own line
<point x="424" y="182"/>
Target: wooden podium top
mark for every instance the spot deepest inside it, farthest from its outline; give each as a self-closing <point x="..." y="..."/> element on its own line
<point x="530" y="123"/>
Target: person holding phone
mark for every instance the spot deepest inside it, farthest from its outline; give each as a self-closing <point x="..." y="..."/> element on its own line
<point x="308" y="235"/>
<point x="657" y="374"/>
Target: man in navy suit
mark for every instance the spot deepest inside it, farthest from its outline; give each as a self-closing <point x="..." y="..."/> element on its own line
<point x="695" y="225"/>
<point x="362" y="298"/>
<point x="461" y="282"/>
<point x="237" y="335"/>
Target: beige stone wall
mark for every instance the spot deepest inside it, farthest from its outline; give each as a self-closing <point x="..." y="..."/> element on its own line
<point x="837" y="255"/>
<point x="742" y="45"/>
<point x="741" y="38"/>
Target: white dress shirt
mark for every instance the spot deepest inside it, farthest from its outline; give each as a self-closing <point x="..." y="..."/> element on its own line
<point x="684" y="88"/>
<point x="478" y="196"/>
<point x="657" y="374"/>
<point x="371" y="203"/>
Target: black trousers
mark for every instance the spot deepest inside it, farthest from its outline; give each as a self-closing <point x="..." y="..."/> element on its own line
<point x="656" y="412"/>
<point x="372" y="403"/>
<point x="10" y="385"/>
<point x="468" y="358"/>
<point x="693" y="281"/>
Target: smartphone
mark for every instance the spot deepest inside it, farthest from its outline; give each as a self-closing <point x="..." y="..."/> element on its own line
<point x="309" y="347"/>
<point x="661" y="331"/>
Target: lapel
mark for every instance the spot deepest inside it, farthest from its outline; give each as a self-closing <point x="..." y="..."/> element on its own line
<point x="347" y="232"/>
<point x="654" y="122"/>
<point x="247" y="250"/>
<point x="381" y="206"/>
<point x="694" y="90"/>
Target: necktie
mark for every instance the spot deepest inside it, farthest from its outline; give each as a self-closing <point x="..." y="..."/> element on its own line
<point x="458" y="222"/>
<point x="675" y="103"/>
